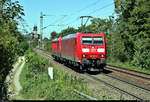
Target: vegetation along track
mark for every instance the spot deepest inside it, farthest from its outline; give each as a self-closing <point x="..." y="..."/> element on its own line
<point x="130" y="89"/>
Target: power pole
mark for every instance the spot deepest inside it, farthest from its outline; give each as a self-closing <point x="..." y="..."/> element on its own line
<point x="41" y="27"/>
<point x="112" y="38"/>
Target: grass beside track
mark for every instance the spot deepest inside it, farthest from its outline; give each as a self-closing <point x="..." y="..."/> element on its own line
<point x="37" y="85"/>
<point x="128" y="66"/>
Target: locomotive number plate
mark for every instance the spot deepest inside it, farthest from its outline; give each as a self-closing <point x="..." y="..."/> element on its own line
<point x="93" y="50"/>
<point x="93" y="56"/>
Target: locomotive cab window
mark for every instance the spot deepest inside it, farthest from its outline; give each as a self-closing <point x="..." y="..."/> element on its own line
<point x="87" y="40"/>
<point x="98" y="40"/>
<point x="92" y="40"/>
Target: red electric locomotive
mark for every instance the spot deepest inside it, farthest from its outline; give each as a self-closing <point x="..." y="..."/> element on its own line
<point x="56" y="48"/>
<point x="83" y="49"/>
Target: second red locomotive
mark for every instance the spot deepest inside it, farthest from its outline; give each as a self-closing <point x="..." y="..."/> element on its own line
<point x="82" y="49"/>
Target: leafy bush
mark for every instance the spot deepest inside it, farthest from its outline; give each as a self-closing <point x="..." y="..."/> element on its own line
<point x="35" y="63"/>
<point x="142" y="54"/>
<point x="23" y="46"/>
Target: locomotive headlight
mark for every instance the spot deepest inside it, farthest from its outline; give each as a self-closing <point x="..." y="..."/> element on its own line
<point x="85" y="50"/>
<point x="84" y="55"/>
<point x="101" y="55"/>
<point x="100" y="50"/>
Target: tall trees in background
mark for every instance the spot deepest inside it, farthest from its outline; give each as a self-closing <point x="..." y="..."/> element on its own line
<point x="134" y="24"/>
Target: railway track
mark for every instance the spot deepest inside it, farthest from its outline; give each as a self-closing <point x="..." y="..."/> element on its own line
<point x="117" y="88"/>
<point x="106" y="82"/>
<point x="126" y="82"/>
<point x="142" y="75"/>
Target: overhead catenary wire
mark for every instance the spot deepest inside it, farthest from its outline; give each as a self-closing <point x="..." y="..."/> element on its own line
<point x="80" y="10"/>
<point x="53" y="24"/>
<point x="89" y="6"/>
<point x="77" y="18"/>
<point x="59" y="19"/>
<point x="101" y="8"/>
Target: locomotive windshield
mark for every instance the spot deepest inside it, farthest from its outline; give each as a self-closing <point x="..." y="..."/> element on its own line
<point x="88" y="40"/>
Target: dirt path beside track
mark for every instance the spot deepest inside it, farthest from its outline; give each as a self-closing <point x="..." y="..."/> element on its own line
<point x="14" y="86"/>
<point x="16" y="77"/>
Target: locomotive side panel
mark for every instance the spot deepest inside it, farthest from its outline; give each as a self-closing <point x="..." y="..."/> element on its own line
<point x="59" y="47"/>
<point x="75" y="50"/>
<point x="54" y="48"/>
<point x="68" y="49"/>
<point x="62" y="48"/>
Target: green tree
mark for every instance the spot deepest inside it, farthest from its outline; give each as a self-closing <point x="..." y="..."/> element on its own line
<point x="69" y="30"/>
<point x="99" y="25"/>
<point x="53" y="35"/>
<point x="10" y="14"/>
<point x="142" y="54"/>
<point x="134" y="23"/>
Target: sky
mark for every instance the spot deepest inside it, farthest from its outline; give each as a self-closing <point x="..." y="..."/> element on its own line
<point x="62" y="12"/>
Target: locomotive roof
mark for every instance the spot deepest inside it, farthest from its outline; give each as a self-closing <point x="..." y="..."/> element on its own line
<point x="69" y="36"/>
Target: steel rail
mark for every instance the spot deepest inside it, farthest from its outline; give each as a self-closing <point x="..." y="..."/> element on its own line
<point x="128" y="73"/>
<point x="84" y="95"/>
<point x="146" y="89"/>
<point x="110" y="85"/>
<point x="127" y="69"/>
